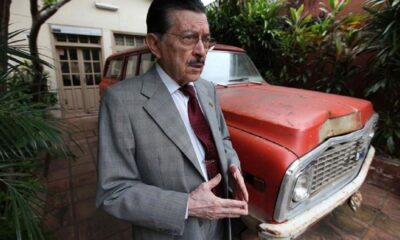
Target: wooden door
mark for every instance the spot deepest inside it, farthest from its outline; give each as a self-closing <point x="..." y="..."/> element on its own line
<point x="80" y="70"/>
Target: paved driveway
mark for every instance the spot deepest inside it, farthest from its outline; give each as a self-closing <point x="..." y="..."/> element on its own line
<point x="71" y="213"/>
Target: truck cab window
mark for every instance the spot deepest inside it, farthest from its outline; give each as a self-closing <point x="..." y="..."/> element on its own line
<point x="131" y="66"/>
<point x="115" y="69"/>
<point x="147" y="61"/>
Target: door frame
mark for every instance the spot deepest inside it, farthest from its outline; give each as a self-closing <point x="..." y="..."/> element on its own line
<point x="83" y="31"/>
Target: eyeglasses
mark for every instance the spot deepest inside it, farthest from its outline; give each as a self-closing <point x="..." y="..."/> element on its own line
<point x="192" y="39"/>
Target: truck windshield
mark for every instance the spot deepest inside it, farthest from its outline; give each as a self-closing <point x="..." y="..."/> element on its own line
<point x="230" y="68"/>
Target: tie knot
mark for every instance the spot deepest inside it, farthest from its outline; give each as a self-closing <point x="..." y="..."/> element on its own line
<point x="188" y="90"/>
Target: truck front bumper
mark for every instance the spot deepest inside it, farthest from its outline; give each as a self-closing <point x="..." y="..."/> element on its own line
<point x="297" y="225"/>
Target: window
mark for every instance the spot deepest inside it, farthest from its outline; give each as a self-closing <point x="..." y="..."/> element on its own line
<point x="91" y="60"/>
<point x="115" y="69"/>
<point x="147" y="60"/>
<point x="229" y="67"/>
<point x="131" y="66"/>
<point x="128" y="40"/>
<point x="69" y="67"/>
<point x="73" y="38"/>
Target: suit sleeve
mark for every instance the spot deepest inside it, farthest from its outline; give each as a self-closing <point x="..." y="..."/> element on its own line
<point x="120" y="191"/>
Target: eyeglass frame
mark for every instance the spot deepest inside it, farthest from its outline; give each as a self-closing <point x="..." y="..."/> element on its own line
<point x="208" y="46"/>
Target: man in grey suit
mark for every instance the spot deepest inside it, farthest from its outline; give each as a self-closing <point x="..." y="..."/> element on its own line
<point x="165" y="158"/>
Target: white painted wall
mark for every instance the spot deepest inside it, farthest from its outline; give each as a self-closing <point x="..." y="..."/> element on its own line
<point x="129" y="18"/>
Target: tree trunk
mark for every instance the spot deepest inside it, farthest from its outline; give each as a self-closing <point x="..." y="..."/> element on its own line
<point x="39" y="84"/>
<point x="39" y="16"/>
<point x="4" y="21"/>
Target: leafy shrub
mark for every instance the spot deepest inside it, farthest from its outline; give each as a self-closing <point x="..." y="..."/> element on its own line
<point x="250" y="24"/>
<point x="383" y="86"/>
<point x="22" y="78"/>
<point x="292" y="65"/>
<point x="296" y="49"/>
<point x="292" y="48"/>
<point x="26" y="134"/>
<point x="319" y="52"/>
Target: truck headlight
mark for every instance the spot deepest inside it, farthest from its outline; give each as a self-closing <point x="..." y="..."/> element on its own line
<point x="301" y="188"/>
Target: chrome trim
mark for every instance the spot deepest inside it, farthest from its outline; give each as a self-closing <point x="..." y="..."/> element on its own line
<point x="302" y="172"/>
<point x="297" y="225"/>
<point x="283" y="210"/>
<point x="255" y="82"/>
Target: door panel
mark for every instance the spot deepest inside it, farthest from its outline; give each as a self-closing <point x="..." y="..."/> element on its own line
<point x="73" y="99"/>
<point x="92" y="77"/>
<point x="80" y="70"/>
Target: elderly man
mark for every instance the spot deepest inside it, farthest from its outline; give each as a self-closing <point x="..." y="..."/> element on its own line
<point x="165" y="158"/>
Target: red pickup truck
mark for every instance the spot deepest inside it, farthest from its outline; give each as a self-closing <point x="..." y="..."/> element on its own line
<point x="303" y="153"/>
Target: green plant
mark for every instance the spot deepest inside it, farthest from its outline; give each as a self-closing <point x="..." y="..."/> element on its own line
<point x="388" y="132"/>
<point x="16" y="52"/>
<point x="383" y="85"/>
<point x="322" y="53"/>
<point x="319" y="52"/>
<point x="249" y="24"/>
<point x="340" y="46"/>
<point x="21" y="78"/>
<point x="26" y="133"/>
<point x="293" y="48"/>
<point x="384" y="29"/>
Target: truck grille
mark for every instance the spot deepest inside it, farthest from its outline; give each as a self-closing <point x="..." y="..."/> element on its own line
<point x="327" y="169"/>
<point x="337" y="161"/>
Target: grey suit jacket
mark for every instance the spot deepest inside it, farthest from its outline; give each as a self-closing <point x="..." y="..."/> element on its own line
<point x="146" y="163"/>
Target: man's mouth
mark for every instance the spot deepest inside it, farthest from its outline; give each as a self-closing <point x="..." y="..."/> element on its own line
<point x="197" y="63"/>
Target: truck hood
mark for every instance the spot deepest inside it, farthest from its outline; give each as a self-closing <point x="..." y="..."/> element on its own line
<point x="296" y="119"/>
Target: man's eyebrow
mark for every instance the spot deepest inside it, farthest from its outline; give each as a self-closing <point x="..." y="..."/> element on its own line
<point x="195" y="33"/>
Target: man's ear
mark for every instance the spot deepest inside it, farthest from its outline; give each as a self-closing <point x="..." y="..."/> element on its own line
<point x="153" y="42"/>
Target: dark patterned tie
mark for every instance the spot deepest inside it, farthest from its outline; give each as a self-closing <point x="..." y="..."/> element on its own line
<point x="203" y="133"/>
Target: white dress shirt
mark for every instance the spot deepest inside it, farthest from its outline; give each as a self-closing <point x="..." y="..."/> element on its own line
<point x="181" y="102"/>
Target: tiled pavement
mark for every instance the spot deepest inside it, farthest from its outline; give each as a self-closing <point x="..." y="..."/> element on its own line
<point x="70" y="209"/>
<point x="377" y="219"/>
<point x="71" y="213"/>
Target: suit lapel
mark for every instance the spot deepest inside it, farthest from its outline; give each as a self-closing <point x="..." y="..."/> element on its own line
<point x="209" y="109"/>
<point x="207" y="106"/>
<point x="162" y="109"/>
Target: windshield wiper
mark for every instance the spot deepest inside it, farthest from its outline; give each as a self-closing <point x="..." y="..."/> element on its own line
<point x="243" y="79"/>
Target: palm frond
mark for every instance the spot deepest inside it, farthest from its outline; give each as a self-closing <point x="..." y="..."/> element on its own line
<point x="18" y="53"/>
<point x="26" y="131"/>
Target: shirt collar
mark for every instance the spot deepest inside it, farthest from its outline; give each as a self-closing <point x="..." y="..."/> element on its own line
<point x="171" y="84"/>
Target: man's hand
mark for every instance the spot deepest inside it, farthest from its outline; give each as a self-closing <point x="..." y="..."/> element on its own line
<point x="204" y="204"/>
<point x="239" y="188"/>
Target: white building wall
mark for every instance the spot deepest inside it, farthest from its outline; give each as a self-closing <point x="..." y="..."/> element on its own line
<point x="129" y="18"/>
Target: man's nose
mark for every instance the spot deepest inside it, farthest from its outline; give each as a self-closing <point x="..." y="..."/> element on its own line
<point x="200" y="49"/>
